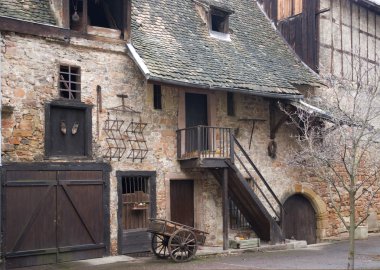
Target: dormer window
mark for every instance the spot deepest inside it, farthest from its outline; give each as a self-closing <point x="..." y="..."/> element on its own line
<point x="219" y="20"/>
<point x="100" y="17"/>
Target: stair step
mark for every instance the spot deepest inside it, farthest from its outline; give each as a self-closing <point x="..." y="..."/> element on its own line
<point x="249" y="243"/>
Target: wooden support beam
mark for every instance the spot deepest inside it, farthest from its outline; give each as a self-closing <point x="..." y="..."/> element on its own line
<point x="85" y="16"/>
<point x="275" y="126"/>
<point x="226" y="211"/>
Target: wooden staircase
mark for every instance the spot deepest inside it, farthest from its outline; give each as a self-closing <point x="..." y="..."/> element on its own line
<point x="217" y="149"/>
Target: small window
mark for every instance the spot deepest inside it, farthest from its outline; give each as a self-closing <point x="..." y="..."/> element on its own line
<point x="288" y="8"/>
<point x="230" y="104"/>
<point x="157" y="97"/>
<point x="69" y="82"/>
<point x="219" y="21"/>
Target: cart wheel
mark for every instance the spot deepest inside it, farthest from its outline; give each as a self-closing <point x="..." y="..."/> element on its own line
<point x="160" y="246"/>
<point x="182" y="245"/>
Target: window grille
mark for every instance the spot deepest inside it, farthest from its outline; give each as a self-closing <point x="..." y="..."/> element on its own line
<point x="237" y="220"/>
<point x="136" y="202"/>
<point x="69" y="82"/>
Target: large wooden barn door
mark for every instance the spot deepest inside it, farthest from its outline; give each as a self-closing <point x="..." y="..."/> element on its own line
<point x="30" y="218"/>
<point x="80" y="215"/>
<point x="182" y="201"/>
<point x="52" y="216"/>
<point x="299" y="220"/>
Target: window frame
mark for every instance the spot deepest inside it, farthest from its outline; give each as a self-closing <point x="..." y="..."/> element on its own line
<point x="126" y="18"/>
<point x="70" y="82"/>
<point x="88" y="129"/>
<point x="215" y="11"/>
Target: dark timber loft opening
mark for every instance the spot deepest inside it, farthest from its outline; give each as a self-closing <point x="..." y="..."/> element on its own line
<point x="88" y="15"/>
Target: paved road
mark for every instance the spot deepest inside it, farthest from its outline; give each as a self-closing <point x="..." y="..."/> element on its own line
<point x="324" y="256"/>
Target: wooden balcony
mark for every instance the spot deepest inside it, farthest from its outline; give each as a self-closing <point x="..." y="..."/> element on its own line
<point x="204" y="146"/>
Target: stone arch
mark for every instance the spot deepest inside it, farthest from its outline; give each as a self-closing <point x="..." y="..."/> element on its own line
<point x="318" y="204"/>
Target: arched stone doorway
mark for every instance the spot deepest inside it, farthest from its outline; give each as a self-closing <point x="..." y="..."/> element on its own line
<point x="316" y="201"/>
<point x="300" y="221"/>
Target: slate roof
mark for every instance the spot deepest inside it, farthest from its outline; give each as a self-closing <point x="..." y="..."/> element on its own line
<point x="37" y="11"/>
<point x="175" y="45"/>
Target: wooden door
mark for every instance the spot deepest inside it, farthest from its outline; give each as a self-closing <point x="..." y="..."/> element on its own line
<point x="196" y="109"/>
<point x="196" y="115"/>
<point x="29" y="218"/>
<point x="182" y="201"/>
<point x="68" y="131"/>
<point x="80" y="215"/>
<point x="136" y="211"/>
<point x="52" y="216"/>
<point x="299" y="220"/>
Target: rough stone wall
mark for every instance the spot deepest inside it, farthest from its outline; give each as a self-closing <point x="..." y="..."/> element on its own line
<point x="350" y="49"/>
<point x="30" y="67"/>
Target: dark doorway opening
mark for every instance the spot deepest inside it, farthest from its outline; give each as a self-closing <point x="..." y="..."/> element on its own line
<point x="182" y="201"/>
<point x="300" y="221"/>
<point x="196" y="115"/>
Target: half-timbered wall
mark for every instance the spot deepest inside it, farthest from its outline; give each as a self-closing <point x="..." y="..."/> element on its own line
<point x="296" y="20"/>
<point x="349" y="40"/>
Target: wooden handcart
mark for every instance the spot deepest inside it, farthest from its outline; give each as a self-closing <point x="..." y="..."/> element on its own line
<point x="176" y="240"/>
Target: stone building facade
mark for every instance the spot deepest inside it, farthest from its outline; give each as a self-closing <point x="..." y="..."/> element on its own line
<point x="31" y="77"/>
<point x="334" y="38"/>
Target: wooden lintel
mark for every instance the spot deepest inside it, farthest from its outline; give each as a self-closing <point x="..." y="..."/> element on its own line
<point x="14" y="25"/>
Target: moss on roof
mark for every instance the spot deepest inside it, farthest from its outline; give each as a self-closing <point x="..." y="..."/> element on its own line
<point x="38" y="11"/>
<point x="175" y="44"/>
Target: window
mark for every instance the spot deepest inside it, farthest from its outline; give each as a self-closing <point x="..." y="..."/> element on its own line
<point x="230" y="104"/>
<point x="288" y="8"/>
<point x="68" y="129"/>
<point x="69" y="82"/>
<point x="157" y="97"/>
<point x="219" y="20"/>
<point x="99" y="13"/>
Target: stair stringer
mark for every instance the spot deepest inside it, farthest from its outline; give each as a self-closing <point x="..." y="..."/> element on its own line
<point x="250" y="205"/>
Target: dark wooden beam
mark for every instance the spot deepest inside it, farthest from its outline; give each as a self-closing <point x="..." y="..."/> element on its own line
<point x="226" y="211"/>
<point x="14" y="25"/>
<point x="127" y="17"/>
<point x="65" y="14"/>
<point x="85" y="16"/>
<point x="274" y="126"/>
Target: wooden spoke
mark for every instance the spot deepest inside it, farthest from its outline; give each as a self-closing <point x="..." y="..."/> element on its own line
<point x="182" y="245"/>
<point x="160" y="246"/>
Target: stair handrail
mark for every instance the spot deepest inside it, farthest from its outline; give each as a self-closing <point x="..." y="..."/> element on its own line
<point x="279" y="215"/>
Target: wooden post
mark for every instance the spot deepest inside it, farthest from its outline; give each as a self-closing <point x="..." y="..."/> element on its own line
<point x="85" y="16"/>
<point x="226" y="211"/>
<point x="232" y="147"/>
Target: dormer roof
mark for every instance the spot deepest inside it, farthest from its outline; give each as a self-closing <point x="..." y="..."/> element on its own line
<point x="175" y="45"/>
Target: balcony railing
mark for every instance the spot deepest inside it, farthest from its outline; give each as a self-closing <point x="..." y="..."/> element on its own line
<point x="204" y="142"/>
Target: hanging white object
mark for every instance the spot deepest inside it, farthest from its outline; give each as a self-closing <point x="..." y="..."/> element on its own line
<point x="75" y="16"/>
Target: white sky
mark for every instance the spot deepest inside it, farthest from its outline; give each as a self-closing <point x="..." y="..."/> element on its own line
<point x="375" y="1"/>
